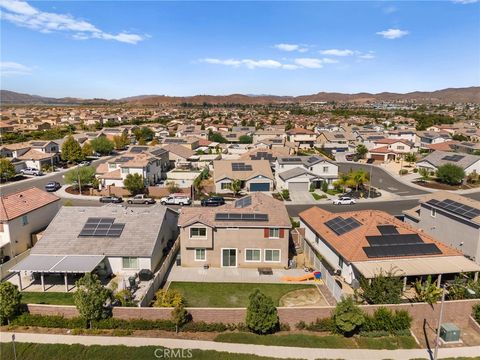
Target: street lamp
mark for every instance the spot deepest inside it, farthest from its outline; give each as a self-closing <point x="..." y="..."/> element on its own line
<point x="440" y="317"/>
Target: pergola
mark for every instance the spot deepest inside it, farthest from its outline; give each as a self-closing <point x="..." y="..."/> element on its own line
<point x="57" y="264"/>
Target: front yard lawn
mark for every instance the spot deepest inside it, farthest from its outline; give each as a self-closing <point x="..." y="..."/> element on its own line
<point x="50" y="298"/>
<point x="316" y="341"/>
<point x="318" y="196"/>
<point x="229" y="294"/>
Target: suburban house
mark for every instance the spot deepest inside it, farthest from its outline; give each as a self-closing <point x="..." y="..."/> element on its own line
<point x="302" y="138"/>
<point x="366" y="243"/>
<point x="189" y="142"/>
<point x="427" y="138"/>
<point x="178" y="155"/>
<point x="270" y="134"/>
<point x="111" y="238"/>
<point x="254" y="175"/>
<point x="22" y="215"/>
<point x="35" y="154"/>
<point x="191" y="130"/>
<point x="469" y="163"/>
<point x="298" y="173"/>
<point x="390" y="149"/>
<point x="251" y="232"/>
<point x="336" y="141"/>
<point x="450" y="218"/>
<point x="150" y="163"/>
<point x="409" y="135"/>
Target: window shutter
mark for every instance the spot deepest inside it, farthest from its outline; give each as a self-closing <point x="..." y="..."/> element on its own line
<point x="266" y="233"/>
<point x="282" y="233"/>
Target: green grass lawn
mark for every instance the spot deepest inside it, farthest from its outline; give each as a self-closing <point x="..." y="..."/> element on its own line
<point x="51" y="298"/>
<point x="318" y="196"/>
<point x="229" y="294"/>
<point x="316" y="341"/>
<point x="26" y="351"/>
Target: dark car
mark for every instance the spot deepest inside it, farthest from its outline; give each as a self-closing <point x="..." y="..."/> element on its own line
<point x="213" y="201"/>
<point x="52" y="186"/>
<point x="370" y="161"/>
<point x="111" y="199"/>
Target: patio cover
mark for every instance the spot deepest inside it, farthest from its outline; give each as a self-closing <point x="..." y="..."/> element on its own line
<point x="417" y="266"/>
<point x="58" y="263"/>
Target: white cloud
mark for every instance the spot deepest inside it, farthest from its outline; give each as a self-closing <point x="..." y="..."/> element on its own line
<point x="311" y="63"/>
<point x="10" y="68"/>
<point x="291" y="47"/>
<point x="329" y="61"/>
<point x="367" y="56"/>
<point x="23" y="14"/>
<point x="464" y="2"/>
<point x="393" y="33"/>
<point x="337" y="52"/>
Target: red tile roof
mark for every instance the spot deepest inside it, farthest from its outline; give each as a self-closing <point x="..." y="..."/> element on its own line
<point x="23" y="202"/>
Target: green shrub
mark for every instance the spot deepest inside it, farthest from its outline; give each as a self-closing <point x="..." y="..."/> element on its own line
<point x="202" y="326"/>
<point x="301" y="325"/>
<point x="348" y="317"/>
<point x="476" y="313"/>
<point x="402" y="321"/>
<point x="415" y="170"/>
<point x="325" y="324"/>
<point x="450" y="174"/>
<point x="52" y="321"/>
<point x="374" y="333"/>
<point x="134" y="324"/>
<point x="262" y="317"/>
<point x="168" y="298"/>
<point x="285" y="194"/>
<point x="324" y="186"/>
<point x="403" y="172"/>
<point x="384" y="320"/>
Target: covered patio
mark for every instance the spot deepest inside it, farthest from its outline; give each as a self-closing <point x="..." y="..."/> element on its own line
<point x="61" y="266"/>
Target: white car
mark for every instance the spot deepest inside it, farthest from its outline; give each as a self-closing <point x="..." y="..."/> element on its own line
<point x="344" y="200"/>
<point x="31" y="171"/>
<point x="176" y="199"/>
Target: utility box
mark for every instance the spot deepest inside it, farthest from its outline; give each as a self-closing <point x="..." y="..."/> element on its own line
<point x="450" y="332"/>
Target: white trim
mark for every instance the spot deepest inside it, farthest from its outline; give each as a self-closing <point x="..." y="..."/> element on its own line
<point x="236" y="257"/>
<point x="272" y="261"/>
<point x="195" y="254"/>
<point x="245" y="255"/>
<point x="274" y="237"/>
<point x="197" y="237"/>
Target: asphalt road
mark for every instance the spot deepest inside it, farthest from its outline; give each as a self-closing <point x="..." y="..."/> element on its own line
<point x="381" y="179"/>
<point x="39" y="181"/>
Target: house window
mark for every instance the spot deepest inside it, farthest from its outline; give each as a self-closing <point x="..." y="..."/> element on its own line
<point x="252" y="255"/>
<point x="200" y="255"/>
<point x="400" y="147"/>
<point x="112" y="166"/>
<point x="433" y="212"/>
<point x="274" y="233"/>
<point x="124" y="170"/>
<point x="325" y="169"/>
<point x="272" y="255"/>
<point x="340" y="262"/>
<point x="130" y="263"/>
<point x="225" y="186"/>
<point x="198" y="232"/>
<point x="24" y="220"/>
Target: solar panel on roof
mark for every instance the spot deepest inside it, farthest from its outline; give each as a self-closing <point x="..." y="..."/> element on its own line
<point x="124" y="159"/>
<point x="387" y="229"/>
<point x="394" y="239"/>
<point x="402" y="250"/>
<point x="138" y="149"/>
<point x="453" y="158"/>
<point x="455" y="207"/>
<point x="291" y="159"/>
<point x="341" y="226"/>
<point x="243" y="202"/>
<point x="101" y="227"/>
<point x="241" y="167"/>
<point x="240" y="217"/>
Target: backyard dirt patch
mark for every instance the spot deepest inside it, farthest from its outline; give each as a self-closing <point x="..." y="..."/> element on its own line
<point x="439" y="186"/>
<point x="303" y="297"/>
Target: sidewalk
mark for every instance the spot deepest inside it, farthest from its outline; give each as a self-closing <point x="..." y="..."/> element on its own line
<point x="63" y="194"/>
<point x="281" y="352"/>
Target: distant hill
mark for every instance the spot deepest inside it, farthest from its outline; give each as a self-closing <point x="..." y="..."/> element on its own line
<point x="451" y="95"/>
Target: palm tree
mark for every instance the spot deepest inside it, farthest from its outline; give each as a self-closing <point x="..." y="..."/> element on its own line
<point x="424" y="174"/>
<point x="358" y="178"/>
<point x="343" y="181"/>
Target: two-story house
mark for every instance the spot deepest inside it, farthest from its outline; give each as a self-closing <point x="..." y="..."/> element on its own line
<point x="390" y="149"/>
<point x="336" y="141"/>
<point x="450" y="218"/>
<point x="22" y="214"/>
<point x="298" y="173"/>
<point x="35" y="154"/>
<point x="251" y="232"/>
<point x="302" y="138"/>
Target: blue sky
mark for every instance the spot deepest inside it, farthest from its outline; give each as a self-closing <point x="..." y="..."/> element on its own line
<point x="117" y="49"/>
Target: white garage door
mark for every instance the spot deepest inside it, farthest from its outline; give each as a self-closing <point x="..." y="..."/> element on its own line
<point x="298" y="186"/>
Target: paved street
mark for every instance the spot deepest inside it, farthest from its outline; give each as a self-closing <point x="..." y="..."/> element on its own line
<point x="381" y="179"/>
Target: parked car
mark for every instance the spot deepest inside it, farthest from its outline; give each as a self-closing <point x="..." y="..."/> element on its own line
<point x="85" y="163"/>
<point x="213" y="201"/>
<point x="349" y="157"/>
<point x="370" y="161"/>
<point x="111" y="199"/>
<point x="344" y="200"/>
<point x="176" y="199"/>
<point x="31" y="171"/>
<point x="52" y="186"/>
<point x="141" y="199"/>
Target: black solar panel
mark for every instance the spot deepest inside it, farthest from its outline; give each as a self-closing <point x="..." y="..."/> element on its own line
<point x="402" y="250"/>
<point x="387" y="229"/>
<point x="291" y="160"/>
<point x="240" y="217"/>
<point x="243" y="202"/>
<point x="124" y="159"/>
<point x="137" y="149"/>
<point x="394" y="239"/>
<point x="341" y="226"/>
<point x="241" y="167"/>
<point x="101" y="227"/>
<point x="453" y="158"/>
<point x="456" y="208"/>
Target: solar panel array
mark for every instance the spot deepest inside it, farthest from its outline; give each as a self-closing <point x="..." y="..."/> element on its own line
<point x="101" y="227"/>
<point x="456" y="208"/>
<point x="262" y="155"/>
<point x="138" y="149"/>
<point x="240" y="217"/>
<point x="291" y="159"/>
<point x="453" y="158"/>
<point x="243" y="202"/>
<point x="401" y="250"/>
<point x="312" y="159"/>
<point x="124" y="159"/>
<point x="341" y="226"/>
<point x="231" y="136"/>
<point x="241" y="167"/>
<point x="387" y="229"/>
<point x="392" y="240"/>
<point x="174" y="141"/>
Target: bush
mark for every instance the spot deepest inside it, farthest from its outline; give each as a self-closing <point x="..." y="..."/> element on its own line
<point x="262" y="317"/>
<point x="450" y="174"/>
<point x="134" y="324"/>
<point x="286" y="194"/>
<point x="51" y="321"/>
<point x="324" y="186"/>
<point x="382" y="289"/>
<point x="320" y="325"/>
<point x="348" y="317"/>
<point x="403" y="172"/>
<point x="384" y="320"/>
<point x="180" y="316"/>
<point x="476" y="313"/>
<point x="168" y="298"/>
<point x="10" y="300"/>
<point x="415" y="170"/>
<point x="202" y="326"/>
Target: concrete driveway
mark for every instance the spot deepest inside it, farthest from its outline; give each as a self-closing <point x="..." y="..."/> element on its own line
<point x="302" y="197"/>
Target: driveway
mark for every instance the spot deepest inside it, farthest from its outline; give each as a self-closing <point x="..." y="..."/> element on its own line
<point x="381" y="179"/>
<point x="302" y="197"/>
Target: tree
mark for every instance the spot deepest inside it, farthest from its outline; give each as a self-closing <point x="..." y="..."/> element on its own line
<point x="87" y="150"/>
<point x="262" y="317"/>
<point x="7" y="169"/>
<point x="102" y="145"/>
<point x="382" y="289"/>
<point x="361" y="150"/>
<point x="343" y="181"/>
<point x="85" y="174"/>
<point x="427" y="291"/>
<point x="288" y="125"/>
<point x="180" y="316"/>
<point x="90" y="298"/>
<point x="424" y="174"/>
<point x="168" y="298"/>
<point x="410" y="158"/>
<point x="235" y="186"/>
<point x="120" y="142"/>
<point x="10" y="299"/>
<point x="144" y="133"/>
<point x="450" y="174"/>
<point x="216" y="137"/>
<point x="358" y="178"/>
<point x="347" y="316"/>
<point x="245" y="139"/>
<point x="71" y="150"/>
<point x="134" y="183"/>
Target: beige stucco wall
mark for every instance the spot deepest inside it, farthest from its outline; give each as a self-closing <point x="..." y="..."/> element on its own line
<point x="233" y="238"/>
